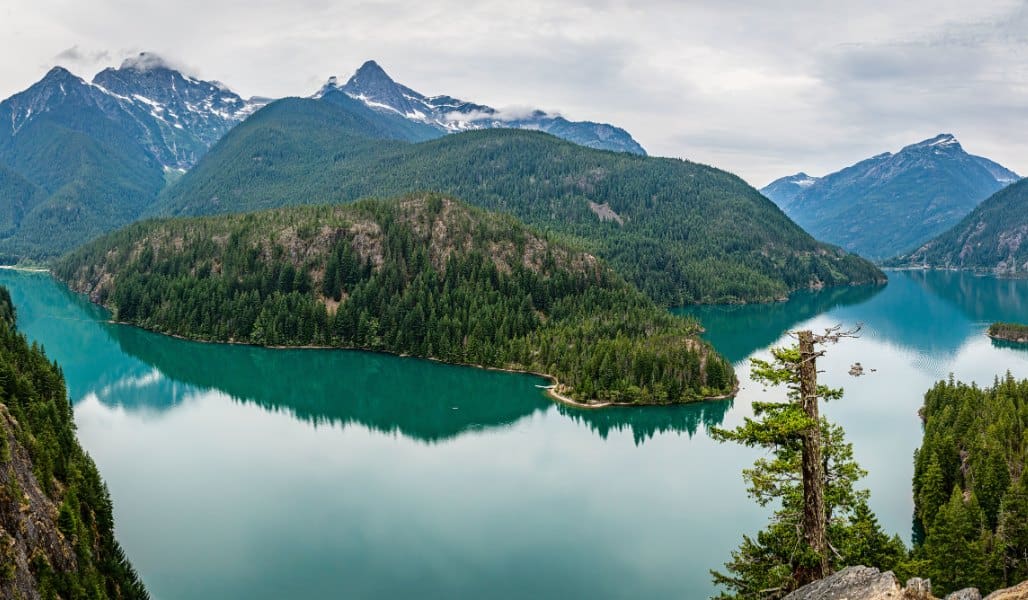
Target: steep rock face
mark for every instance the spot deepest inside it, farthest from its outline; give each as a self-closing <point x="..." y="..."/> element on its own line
<point x="891" y="203"/>
<point x="375" y="88"/>
<point x="28" y="520"/>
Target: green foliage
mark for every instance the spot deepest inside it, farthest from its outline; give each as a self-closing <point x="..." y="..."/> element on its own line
<point x="689" y="233"/>
<point x="422" y="276"/>
<point x="33" y="392"/>
<point x="763" y="568"/>
<point x="975" y="446"/>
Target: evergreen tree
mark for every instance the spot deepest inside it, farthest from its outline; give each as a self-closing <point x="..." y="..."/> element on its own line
<point x="782" y="557"/>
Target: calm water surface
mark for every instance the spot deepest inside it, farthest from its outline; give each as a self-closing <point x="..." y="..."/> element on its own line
<point x="238" y="472"/>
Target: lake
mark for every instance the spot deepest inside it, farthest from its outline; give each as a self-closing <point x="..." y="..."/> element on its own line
<point x="239" y="472"/>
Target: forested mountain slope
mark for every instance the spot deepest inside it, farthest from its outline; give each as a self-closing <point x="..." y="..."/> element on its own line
<point x="970" y="485"/>
<point x="680" y="231"/>
<point x="994" y="237"/>
<point x="56" y="525"/>
<point x="424" y="275"/>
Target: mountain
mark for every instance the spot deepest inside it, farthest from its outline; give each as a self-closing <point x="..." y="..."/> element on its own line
<point x="785" y="190"/>
<point x="78" y="159"/>
<point x="891" y="203"/>
<point x="56" y="523"/>
<point x="446" y="114"/>
<point x="681" y="232"/>
<point x="17" y="197"/>
<point x="422" y="275"/>
<point x="83" y="149"/>
<point x="189" y="114"/>
<point x="994" y="237"/>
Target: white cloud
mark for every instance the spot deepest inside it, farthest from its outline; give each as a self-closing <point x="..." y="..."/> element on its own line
<point x="762" y="89"/>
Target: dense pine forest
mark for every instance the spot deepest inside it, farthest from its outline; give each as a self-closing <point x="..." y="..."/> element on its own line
<point x="970" y="486"/>
<point x="681" y="232"/>
<point x="423" y="276"/>
<point x="56" y="523"/>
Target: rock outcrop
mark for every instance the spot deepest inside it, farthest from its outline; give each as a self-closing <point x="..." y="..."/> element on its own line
<point x="865" y="583"/>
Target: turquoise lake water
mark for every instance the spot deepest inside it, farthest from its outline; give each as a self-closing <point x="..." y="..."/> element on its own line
<point x="239" y="472"/>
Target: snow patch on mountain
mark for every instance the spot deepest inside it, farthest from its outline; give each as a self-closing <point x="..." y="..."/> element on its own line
<point x="371" y="85"/>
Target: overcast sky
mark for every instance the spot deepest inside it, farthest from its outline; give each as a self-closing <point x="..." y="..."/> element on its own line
<point x="758" y="87"/>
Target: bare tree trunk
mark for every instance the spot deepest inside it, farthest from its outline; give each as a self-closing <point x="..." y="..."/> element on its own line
<point x="814" y="525"/>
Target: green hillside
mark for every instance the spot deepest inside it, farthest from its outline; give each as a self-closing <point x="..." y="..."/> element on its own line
<point x="423" y="276"/>
<point x="17" y="197"/>
<point x="682" y="232"/>
<point x="91" y="180"/>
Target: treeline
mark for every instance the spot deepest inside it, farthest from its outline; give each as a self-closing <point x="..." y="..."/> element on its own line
<point x="970" y="486"/>
<point x="689" y="233"/>
<point x="81" y="559"/>
<point x="423" y="276"/>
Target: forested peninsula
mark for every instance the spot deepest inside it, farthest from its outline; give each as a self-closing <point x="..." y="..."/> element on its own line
<point x="56" y="522"/>
<point x="1011" y="332"/>
<point x="423" y="275"/>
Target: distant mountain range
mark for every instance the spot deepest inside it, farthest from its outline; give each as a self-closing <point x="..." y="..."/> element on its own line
<point x="79" y="158"/>
<point x="891" y="203"/>
<point x="993" y="238"/>
<point x="446" y="114"/>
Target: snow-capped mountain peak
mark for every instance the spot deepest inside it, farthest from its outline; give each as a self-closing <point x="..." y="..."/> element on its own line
<point x="189" y="114"/>
<point x="943" y="141"/>
<point x="175" y="117"/>
<point x="374" y="87"/>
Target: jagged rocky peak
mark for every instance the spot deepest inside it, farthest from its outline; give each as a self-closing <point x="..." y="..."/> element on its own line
<point x="370" y="73"/>
<point x="374" y="87"/>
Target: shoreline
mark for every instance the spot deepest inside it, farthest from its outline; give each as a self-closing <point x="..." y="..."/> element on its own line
<point x="25" y="269"/>
<point x="551" y="392"/>
<point x="1021" y="341"/>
